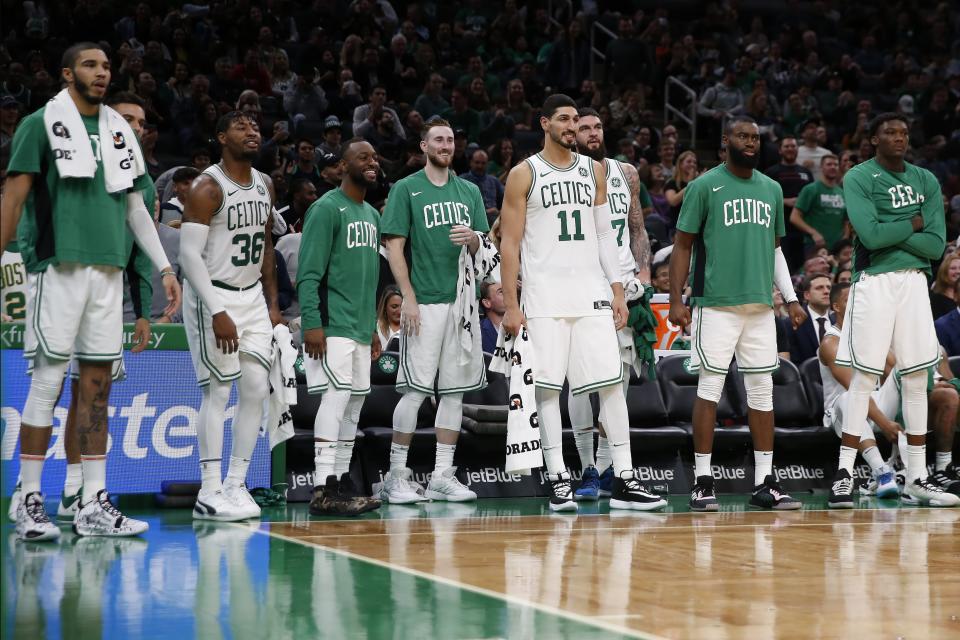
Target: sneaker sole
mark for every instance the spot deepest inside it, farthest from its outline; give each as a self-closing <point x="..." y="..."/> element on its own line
<point x="393" y="500"/>
<point x="50" y="534"/>
<point x="637" y="506"/>
<point x="889" y="494"/>
<point x="436" y="495"/>
<point x="586" y="497"/>
<point x="710" y="508"/>
<point x="107" y="534"/>
<point x="789" y="506"/>
<point x="840" y="505"/>
<point x="570" y="505"/>
<point x="604" y="493"/>
<point x="216" y="517"/>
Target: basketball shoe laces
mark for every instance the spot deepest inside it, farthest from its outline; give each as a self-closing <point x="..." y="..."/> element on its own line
<point x="561" y="488"/>
<point x="634" y="485"/>
<point x="839" y="487"/>
<point x="36" y="511"/>
<point x="107" y="506"/>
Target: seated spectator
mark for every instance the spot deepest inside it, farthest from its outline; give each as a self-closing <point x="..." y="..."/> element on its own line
<point x="675" y="188"/>
<point x="384" y="135"/>
<point x="491" y="189"/>
<point x="388" y="316"/>
<point x="171" y="211"/>
<point x="431" y="102"/>
<point x="461" y="116"/>
<point x="303" y="193"/>
<point x="491" y="299"/>
<point x="502" y="159"/>
<point x="948" y="328"/>
<point x="805" y="340"/>
<point x="305" y="166"/>
<point x="367" y="117"/>
<point x="667" y="153"/>
<point x="304" y="101"/>
<point x="661" y="276"/>
<point x="945" y="285"/>
<point x="517" y="106"/>
<point x="332" y="135"/>
<point x="810" y="153"/>
<point x="719" y="102"/>
<point x="820" y="212"/>
<point x="252" y="74"/>
<point x="283" y="78"/>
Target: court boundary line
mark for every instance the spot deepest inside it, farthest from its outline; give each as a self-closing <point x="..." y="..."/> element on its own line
<point x="449" y="582"/>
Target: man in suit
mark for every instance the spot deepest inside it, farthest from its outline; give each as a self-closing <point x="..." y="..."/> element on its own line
<point x="805" y="340"/>
<point x="948" y="328"/>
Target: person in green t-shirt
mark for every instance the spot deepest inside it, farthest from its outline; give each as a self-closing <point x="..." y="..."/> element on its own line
<point x="820" y="211"/>
<point x="339" y="266"/>
<point x="437" y="213"/>
<point x="896" y="208"/>
<point x="72" y="233"/>
<point x="731" y="223"/>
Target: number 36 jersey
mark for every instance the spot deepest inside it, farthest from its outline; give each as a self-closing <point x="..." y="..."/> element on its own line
<point x="559" y="256"/>
<point x="234" y="248"/>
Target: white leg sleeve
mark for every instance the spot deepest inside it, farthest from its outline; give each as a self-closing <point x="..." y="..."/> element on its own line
<point x="613" y="413"/>
<point x="45" y="383"/>
<point x="858" y="402"/>
<point x="551" y="439"/>
<point x="327" y="424"/>
<point x="210" y="421"/>
<point x="450" y="412"/>
<point x="914" y="389"/>
<point x="405" y="413"/>
<point x="759" y="391"/>
<point x="252" y="388"/>
<point x="580" y="410"/>
<point x="710" y="385"/>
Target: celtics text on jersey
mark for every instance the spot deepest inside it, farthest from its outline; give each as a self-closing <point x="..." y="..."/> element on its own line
<point x="618" y="196"/>
<point x="13" y="286"/>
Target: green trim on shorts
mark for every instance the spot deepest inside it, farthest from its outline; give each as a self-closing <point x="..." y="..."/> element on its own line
<point x="318" y="389"/>
<point x="407" y="384"/>
<point x="920" y="366"/>
<point x="41" y="341"/>
<point x="759" y="369"/>
<point x="257" y="357"/>
<point x="97" y="357"/>
<point x="696" y="345"/>
<point x="852" y="363"/>
<point x="593" y="386"/>
<point x="547" y="385"/>
<point x="479" y="385"/>
<point x="204" y="358"/>
<point x="337" y="384"/>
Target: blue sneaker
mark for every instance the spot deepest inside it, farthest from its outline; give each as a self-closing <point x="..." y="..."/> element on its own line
<point x="887" y="484"/>
<point x="589" y="488"/>
<point x="606" y="482"/>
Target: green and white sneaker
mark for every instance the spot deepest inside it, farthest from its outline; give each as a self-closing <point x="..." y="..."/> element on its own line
<point x="69" y="505"/>
<point x="15" y="501"/>
<point x="100" y="518"/>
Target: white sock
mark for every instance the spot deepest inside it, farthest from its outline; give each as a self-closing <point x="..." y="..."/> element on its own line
<point x="616" y="422"/>
<point x="701" y="464"/>
<point x="848" y="455"/>
<point x="344" y="456"/>
<point x="603" y="454"/>
<point x="237" y="472"/>
<point x="444" y="458"/>
<point x="324" y="461"/>
<point x="762" y="466"/>
<point x="944" y="458"/>
<point x="31" y="468"/>
<point x="916" y="462"/>
<point x="94" y="476"/>
<point x="584" y="440"/>
<point x="551" y="439"/>
<point x="211" y="478"/>
<point x="210" y="433"/>
<point x="74" y="479"/>
<point x="398" y="455"/>
<point x="873" y="458"/>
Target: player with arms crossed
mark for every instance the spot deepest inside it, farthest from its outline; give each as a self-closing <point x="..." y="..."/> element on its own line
<point x="896" y="208"/>
<point x="438" y="213"/>
<point x="633" y="257"/>
<point x="75" y="158"/>
<point x="556" y="216"/>
<point x="229" y="309"/>
<point x="731" y="222"/>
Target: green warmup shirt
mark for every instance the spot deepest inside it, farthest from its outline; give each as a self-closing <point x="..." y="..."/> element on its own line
<point x="880" y="204"/>
<point x="339" y="267"/>
<point x="424" y="213"/>
<point x="736" y="222"/>
<point x="823" y="209"/>
<point x="67" y="219"/>
<point x="139" y="269"/>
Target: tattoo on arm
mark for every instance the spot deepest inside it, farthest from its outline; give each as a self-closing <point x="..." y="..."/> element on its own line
<point x="639" y="242"/>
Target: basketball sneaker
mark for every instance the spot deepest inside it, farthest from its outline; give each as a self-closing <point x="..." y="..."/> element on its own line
<point x="215" y="505"/>
<point x="100" y="518"/>
<point x="349" y="490"/>
<point x="15" y="500"/>
<point x="68" y="506"/>
<point x="589" y="488"/>
<point x="447" y="487"/>
<point x="327" y="501"/>
<point x="886" y="483"/>
<point x="927" y="492"/>
<point x="399" y="488"/>
<point x="238" y="495"/>
<point x="606" y="482"/>
<point x="947" y="479"/>
<point x="628" y="493"/>
<point x="561" y="493"/>
<point x="702" y="497"/>
<point x="769" y="495"/>
<point x="32" y="522"/>
<point x="841" y="491"/>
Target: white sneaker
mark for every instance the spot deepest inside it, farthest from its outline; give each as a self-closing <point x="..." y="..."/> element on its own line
<point x="14" y="503"/>
<point x="447" y="487"/>
<point x="926" y="492"/>
<point x="32" y="522"/>
<point x="67" y="509"/>
<point x="399" y="488"/>
<point x="100" y="518"/>
<point x="238" y="495"/>
<point x="215" y="505"/>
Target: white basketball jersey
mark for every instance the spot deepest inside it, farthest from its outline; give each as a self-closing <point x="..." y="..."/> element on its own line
<point x="618" y="196"/>
<point x="234" y="248"/>
<point x="13" y="286"/>
<point x="560" y="264"/>
<point x="831" y="388"/>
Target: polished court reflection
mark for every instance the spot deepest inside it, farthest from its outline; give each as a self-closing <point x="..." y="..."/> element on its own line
<point x="499" y="569"/>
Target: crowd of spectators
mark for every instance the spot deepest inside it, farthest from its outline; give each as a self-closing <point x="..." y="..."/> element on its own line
<point x="315" y="73"/>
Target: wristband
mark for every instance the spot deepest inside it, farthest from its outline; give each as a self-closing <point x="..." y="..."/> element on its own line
<point x="167" y="272"/>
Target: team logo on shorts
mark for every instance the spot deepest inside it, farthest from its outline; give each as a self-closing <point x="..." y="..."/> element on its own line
<point x="59" y="130"/>
<point x="583" y="172"/>
<point x="616" y="183"/>
<point x="260" y="189"/>
<point x="388" y="364"/>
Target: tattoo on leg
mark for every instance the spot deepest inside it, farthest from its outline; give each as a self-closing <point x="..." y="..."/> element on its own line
<point x="92" y="418"/>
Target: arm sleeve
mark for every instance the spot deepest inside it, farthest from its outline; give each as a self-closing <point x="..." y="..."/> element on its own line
<point x="781" y="277"/>
<point x="140" y="277"/>
<point x="144" y="232"/>
<point x="193" y="238"/>
<point x="693" y="210"/>
<point x="607" y="245"/>
<point x="863" y="216"/>
<point x="396" y="214"/>
<point x="930" y="241"/>
<point x="314" y="258"/>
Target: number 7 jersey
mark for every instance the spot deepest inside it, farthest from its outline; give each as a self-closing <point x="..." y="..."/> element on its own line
<point x="559" y="256"/>
<point x="234" y="248"/>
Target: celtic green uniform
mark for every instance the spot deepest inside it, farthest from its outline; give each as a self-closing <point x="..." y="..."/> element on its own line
<point x="823" y="209"/>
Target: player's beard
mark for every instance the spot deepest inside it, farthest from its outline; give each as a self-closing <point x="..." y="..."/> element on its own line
<point x="558" y="138"/>
<point x="357" y="177"/>
<point x="249" y="155"/>
<point x="83" y="89"/>
<point x="440" y="162"/>
<point x="741" y="159"/>
<point x="597" y="154"/>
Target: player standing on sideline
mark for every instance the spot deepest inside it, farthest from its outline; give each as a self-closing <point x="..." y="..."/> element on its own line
<point x="633" y="251"/>
<point x="229" y="309"/>
<point x="339" y="268"/>
<point x="556" y="217"/>
<point x="896" y="208"/>
<point x="77" y="309"/>
<point x="438" y="213"/>
<point x="732" y="221"/>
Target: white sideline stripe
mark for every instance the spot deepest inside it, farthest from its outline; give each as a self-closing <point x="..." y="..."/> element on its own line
<point x="584" y="620"/>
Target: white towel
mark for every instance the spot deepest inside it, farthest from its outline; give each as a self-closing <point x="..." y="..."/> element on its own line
<point x="117" y="145"/>
<point x="472" y="268"/>
<point x="278" y="420"/>
<point x="513" y="358"/>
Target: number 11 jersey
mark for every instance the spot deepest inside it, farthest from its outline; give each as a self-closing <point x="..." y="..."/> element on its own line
<point x="559" y="256"/>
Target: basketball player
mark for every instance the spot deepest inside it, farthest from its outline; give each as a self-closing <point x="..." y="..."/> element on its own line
<point x="438" y="213"/>
<point x="734" y="215"/>
<point x="633" y="251"/>
<point x="339" y="267"/>
<point x="229" y="309"/>
<point x="556" y="215"/>
<point x="77" y="309"/>
<point x="896" y="208"/>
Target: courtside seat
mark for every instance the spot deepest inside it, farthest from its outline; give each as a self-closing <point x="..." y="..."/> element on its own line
<point x="791" y="406"/>
<point x="305" y="410"/>
<point x="679" y="388"/>
<point x="644" y="440"/>
<point x="645" y="404"/>
<point x="810" y="372"/>
<point x="378" y="407"/>
<point x="815" y="437"/>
